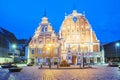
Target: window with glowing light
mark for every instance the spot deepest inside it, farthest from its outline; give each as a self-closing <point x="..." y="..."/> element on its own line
<point x="35" y="41"/>
<point x="47" y="52"/>
<point x="47" y="41"/>
<point x="95" y="48"/>
<point x="40" y="60"/>
<point x="55" y="50"/>
<point x="40" y="51"/>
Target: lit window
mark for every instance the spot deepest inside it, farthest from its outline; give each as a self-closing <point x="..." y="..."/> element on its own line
<point x="47" y="52"/>
<point x="55" y="51"/>
<point x="47" y="41"/>
<point x="40" y="60"/>
<point x="33" y="51"/>
<point x="35" y="41"/>
<point x="40" y="51"/>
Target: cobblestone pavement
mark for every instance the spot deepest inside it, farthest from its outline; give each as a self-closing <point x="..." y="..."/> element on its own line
<point x="33" y="73"/>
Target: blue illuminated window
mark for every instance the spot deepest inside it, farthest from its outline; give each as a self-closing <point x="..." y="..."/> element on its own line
<point x="40" y="51"/>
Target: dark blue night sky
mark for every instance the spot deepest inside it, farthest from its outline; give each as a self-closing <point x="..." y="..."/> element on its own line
<point x="22" y="17"/>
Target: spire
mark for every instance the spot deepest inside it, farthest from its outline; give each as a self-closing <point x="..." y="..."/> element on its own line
<point x="45" y="13"/>
<point x="44" y="19"/>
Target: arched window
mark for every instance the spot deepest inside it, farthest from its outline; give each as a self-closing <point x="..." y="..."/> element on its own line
<point x="42" y="30"/>
<point x="46" y="29"/>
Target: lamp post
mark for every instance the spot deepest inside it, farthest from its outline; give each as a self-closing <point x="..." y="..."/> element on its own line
<point x="117" y="45"/>
<point x="14" y="47"/>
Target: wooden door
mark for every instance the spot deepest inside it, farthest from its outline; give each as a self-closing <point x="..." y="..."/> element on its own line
<point x="73" y="59"/>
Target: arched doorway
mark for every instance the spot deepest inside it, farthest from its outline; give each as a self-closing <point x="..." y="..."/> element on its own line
<point x="73" y="59"/>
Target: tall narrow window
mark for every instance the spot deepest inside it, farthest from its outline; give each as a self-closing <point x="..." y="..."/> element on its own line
<point x="33" y="51"/>
<point x="40" y="51"/>
<point x="47" y="52"/>
<point x="42" y="29"/>
<point x="46" y="29"/>
<point x="55" y="50"/>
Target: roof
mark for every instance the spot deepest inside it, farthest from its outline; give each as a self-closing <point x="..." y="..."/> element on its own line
<point x="9" y="36"/>
<point x="21" y="41"/>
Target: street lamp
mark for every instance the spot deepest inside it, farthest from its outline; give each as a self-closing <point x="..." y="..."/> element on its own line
<point x="14" y="46"/>
<point x="117" y="45"/>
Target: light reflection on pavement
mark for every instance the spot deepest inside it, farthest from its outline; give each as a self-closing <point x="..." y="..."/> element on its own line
<point x="33" y="73"/>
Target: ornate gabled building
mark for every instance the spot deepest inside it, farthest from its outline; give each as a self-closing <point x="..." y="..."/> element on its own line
<point x="44" y="44"/>
<point x="75" y="43"/>
<point x="78" y="39"/>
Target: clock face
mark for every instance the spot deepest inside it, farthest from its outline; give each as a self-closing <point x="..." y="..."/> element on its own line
<point x="75" y="19"/>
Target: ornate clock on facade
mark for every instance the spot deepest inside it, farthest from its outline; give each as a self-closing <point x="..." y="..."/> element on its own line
<point x="75" y="19"/>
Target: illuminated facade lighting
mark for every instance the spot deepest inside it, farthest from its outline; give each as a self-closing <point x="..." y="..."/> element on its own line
<point x="76" y="38"/>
